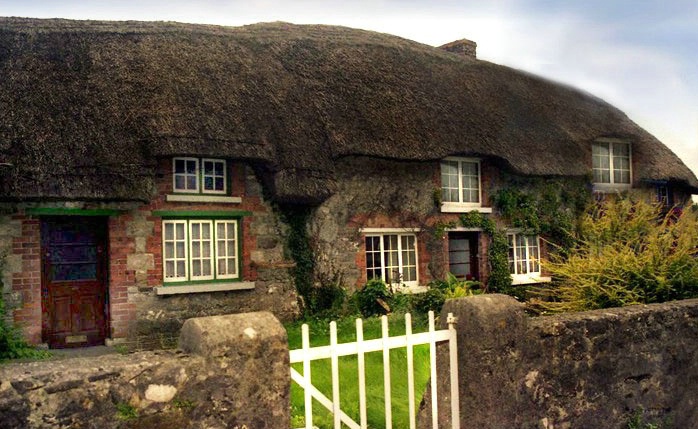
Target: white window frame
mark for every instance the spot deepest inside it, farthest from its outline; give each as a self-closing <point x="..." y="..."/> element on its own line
<point x="204" y="175"/>
<point x="381" y="235"/>
<point x="461" y="206"/>
<point x="230" y="223"/>
<point x="174" y="224"/>
<point x="197" y="189"/>
<point x="214" y="254"/>
<point x="200" y="176"/>
<point x="613" y="185"/>
<point x="529" y="276"/>
<point x="201" y="240"/>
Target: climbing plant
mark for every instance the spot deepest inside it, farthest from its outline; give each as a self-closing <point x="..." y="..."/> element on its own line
<point x="499" y="279"/>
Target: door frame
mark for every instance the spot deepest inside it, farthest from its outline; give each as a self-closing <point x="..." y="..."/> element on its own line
<point x="101" y="225"/>
<point x="473" y="236"/>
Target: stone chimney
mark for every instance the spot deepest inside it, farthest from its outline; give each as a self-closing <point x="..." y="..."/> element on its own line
<point x="463" y="47"/>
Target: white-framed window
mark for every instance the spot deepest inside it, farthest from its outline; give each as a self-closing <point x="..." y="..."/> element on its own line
<point x="199" y="249"/>
<point x="611" y="162"/>
<point x="199" y="175"/>
<point x="392" y="257"/>
<point x="461" y="187"/>
<point x="524" y="256"/>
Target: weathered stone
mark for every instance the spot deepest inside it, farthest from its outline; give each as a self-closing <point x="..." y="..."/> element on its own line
<point x="247" y="385"/>
<point x="584" y="370"/>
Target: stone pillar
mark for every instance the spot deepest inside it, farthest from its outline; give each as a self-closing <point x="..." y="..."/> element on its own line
<point x="491" y="332"/>
<point x="251" y="351"/>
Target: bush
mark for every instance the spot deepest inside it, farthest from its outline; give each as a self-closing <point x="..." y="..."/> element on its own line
<point x="373" y="298"/>
<point x="431" y="300"/>
<point x="452" y="287"/>
<point x="12" y="345"/>
<point x="627" y="252"/>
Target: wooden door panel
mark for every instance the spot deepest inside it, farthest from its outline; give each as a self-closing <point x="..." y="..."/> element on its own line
<point x="61" y="305"/>
<point x="74" y="280"/>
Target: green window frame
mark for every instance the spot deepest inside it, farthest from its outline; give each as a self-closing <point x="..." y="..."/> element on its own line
<point x="198" y="250"/>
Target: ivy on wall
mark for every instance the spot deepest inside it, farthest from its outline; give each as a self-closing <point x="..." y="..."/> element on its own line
<point x="499" y="279"/>
<point x="298" y="248"/>
<point x="537" y="206"/>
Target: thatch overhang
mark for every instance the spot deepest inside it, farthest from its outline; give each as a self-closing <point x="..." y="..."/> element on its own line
<point x="87" y="107"/>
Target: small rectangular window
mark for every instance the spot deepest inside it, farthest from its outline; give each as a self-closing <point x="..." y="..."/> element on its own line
<point x="202" y="176"/>
<point x="524" y="254"/>
<point x="611" y="162"/>
<point x="185" y="175"/>
<point x="460" y="181"/>
<point x="195" y="249"/>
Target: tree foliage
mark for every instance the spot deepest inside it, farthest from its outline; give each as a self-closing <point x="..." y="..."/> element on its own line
<point x="627" y="251"/>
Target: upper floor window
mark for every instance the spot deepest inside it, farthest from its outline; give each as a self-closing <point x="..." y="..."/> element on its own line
<point x="460" y="184"/>
<point x="611" y="162"/>
<point x="199" y="175"/>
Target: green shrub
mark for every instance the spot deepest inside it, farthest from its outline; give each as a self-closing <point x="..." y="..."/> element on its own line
<point x="372" y="297"/>
<point x="431" y="300"/>
<point x="627" y="252"/>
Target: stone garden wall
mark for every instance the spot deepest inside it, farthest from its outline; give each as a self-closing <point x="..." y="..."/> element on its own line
<point x="232" y="372"/>
<point x="596" y="369"/>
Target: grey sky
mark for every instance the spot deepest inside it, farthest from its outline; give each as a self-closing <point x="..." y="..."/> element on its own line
<point x="639" y="55"/>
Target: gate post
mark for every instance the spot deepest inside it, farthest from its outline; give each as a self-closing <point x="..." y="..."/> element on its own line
<point x="250" y="351"/>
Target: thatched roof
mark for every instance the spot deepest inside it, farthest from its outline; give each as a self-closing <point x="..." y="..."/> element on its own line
<point x="86" y="107"/>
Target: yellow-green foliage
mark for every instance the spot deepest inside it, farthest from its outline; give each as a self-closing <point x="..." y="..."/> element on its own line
<point x="627" y="252"/>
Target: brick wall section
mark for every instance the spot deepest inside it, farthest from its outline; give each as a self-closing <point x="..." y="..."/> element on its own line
<point x="26" y="277"/>
<point x="135" y="263"/>
<point x="121" y="277"/>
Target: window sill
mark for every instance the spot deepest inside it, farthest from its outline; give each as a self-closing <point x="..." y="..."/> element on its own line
<point x="525" y="279"/>
<point x="198" y="198"/>
<point x="463" y="208"/>
<point x="410" y="289"/>
<point x="201" y="288"/>
<point x="611" y="187"/>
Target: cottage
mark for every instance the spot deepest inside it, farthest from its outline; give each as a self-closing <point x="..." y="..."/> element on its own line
<point x="152" y="172"/>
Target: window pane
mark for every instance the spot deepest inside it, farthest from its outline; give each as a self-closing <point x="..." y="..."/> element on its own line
<point x="180" y="231"/>
<point x="195" y="249"/>
<point x="450" y="187"/>
<point x="191" y="167"/>
<point x="169" y="269"/>
<point x="180" y="269"/>
<point x="208" y="167"/>
<point x="169" y="231"/>
<point x="191" y="182"/>
<point x="220" y="184"/>
<point x="180" y="250"/>
<point x="169" y="250"/>
<point x="180" y="182"/>
<point x="208" y="182"/>
<point x="179" y="166"/>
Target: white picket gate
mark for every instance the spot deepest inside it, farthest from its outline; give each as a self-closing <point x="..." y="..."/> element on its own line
<point x="306" y="355"/>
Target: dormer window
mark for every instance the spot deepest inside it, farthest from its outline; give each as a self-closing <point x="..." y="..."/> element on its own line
<point x="461" y="189"/>
<point x="611" y="163"/>
<point x="199" y="175"/>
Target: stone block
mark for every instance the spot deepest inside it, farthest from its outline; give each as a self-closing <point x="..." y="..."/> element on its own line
<point x="216" y="336"/>
<point x="140" y="261"/>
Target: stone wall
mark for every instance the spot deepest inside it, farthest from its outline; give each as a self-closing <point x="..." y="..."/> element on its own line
<point x="232" y="372"/>
<point x="596" y="369"/>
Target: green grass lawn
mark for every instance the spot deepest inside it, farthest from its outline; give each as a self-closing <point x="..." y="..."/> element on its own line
<point x="348" y="375"/>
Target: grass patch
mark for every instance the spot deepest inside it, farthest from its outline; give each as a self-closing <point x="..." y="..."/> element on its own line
<point x="349" y="390"/>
